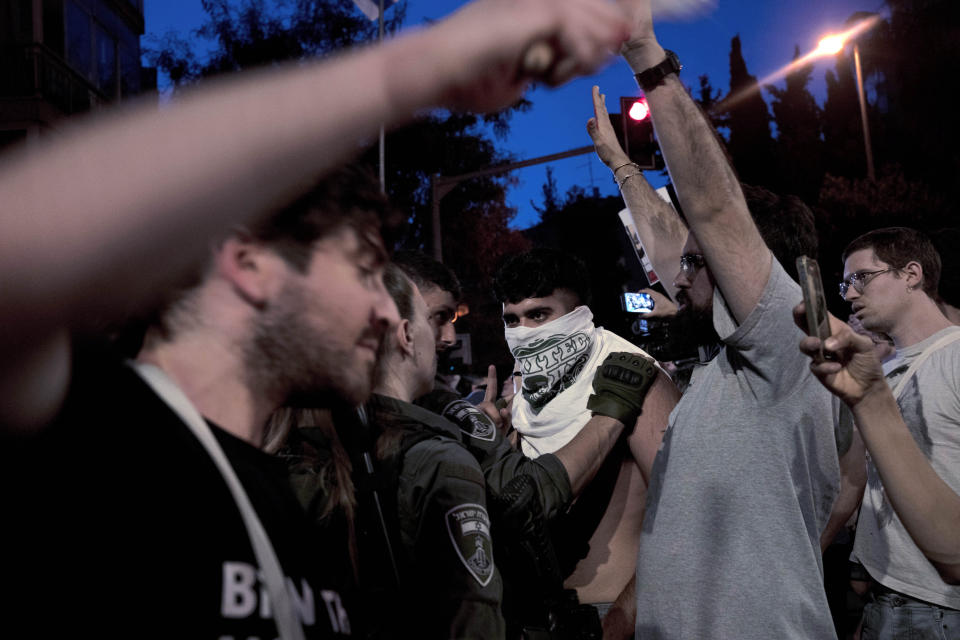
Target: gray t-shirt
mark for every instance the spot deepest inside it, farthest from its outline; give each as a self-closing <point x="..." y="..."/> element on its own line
<point x="930" y="405"/>
<point x="741" y="489"/>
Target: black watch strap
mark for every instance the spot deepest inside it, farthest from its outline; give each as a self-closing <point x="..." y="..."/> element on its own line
<point x="650" y="78"/>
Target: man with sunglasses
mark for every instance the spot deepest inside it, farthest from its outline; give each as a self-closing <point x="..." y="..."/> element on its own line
<point x="890" y="280"/>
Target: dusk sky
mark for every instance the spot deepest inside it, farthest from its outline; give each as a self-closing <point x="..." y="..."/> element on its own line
<point x="769" y="30"/>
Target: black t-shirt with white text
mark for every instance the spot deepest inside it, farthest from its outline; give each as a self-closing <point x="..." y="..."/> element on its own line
<point x="120" y="525"/>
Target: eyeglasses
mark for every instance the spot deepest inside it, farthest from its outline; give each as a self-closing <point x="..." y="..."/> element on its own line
<point x="690" y="262"/>
<point x="859" y="279"/>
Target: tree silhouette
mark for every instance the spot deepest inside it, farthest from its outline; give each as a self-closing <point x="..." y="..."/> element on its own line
<point x="799" y="146"/>
<point x="709" y="100"/>
<point x="842" y="129"/>
<point x="920" y="123"/>
<point x="750" y="144"/>
<point x="551" y="199"/>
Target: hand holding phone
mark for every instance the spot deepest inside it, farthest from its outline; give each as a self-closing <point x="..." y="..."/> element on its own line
<point x="637" y="302"/>
<point x="814" y="302"/>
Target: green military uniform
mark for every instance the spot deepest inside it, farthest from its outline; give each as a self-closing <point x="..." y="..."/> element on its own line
<point x="498" y="459"/>
<point x="449" y="584"/>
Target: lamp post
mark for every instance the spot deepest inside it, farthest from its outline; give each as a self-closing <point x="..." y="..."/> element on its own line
<point x="833" y="44"/>
<point x="863" y="113"/>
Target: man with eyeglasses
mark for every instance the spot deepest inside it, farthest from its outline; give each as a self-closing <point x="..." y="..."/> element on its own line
<point x="890" y="280"/>
<point x="744" y="482"/>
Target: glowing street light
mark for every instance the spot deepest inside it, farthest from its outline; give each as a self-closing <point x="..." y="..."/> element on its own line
<point x="830" y="45"/>
<point x="834" y="44"/>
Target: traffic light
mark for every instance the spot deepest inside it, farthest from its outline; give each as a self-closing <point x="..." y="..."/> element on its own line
<point x="634" y="131"/>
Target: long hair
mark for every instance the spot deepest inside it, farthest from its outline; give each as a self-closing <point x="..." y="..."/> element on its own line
<point x="334" y="478"/>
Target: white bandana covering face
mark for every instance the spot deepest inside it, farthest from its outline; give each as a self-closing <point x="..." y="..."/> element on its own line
<point x="551" y="407"/>
<point x="552" y="355"/>
<point x="557" y="362"/>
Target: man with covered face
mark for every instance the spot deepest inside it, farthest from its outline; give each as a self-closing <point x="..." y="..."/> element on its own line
<point x="550" y="331"/>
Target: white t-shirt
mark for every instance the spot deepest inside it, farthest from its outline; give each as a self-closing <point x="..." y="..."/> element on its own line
<point x="930" y="405"/>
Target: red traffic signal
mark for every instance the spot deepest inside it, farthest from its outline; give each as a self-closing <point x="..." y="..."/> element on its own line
<point x="635" y="132"/>
<point x="639" y="110"/>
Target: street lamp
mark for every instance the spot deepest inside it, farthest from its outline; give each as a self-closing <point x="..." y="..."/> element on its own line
<point x="833" y="44"/>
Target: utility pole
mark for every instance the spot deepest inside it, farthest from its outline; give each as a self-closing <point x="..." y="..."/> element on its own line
<point x="442" y="185"/>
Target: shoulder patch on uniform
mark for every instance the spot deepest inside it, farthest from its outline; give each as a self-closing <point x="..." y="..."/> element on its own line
<point x="469" y="529"/>
<point x="472" y="421"/>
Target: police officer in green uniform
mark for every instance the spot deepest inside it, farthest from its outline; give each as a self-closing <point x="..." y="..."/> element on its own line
<point x="423" y="527"/>
<point x="529" y="498"/>
<point x="431" y="493"/>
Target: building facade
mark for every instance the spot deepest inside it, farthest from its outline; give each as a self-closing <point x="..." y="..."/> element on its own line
<point x="63" y="57"/>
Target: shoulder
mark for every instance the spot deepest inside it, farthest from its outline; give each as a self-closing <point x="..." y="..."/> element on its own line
<point x="946" y="361"/>
<point x="768" y="334"/>
<point x="614" y="342"/>
<point x="440" y="458"/>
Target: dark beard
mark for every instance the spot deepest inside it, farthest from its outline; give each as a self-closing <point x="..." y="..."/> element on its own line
<point x="290" y="362"/>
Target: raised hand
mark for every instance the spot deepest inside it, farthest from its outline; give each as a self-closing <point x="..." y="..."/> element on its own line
<point x="488" y="405"/>
<point x="663" y="307"/>
<point x="604" y="137"/>
<point x="498" y="410"/>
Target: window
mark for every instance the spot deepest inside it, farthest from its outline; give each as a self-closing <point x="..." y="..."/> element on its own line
<point x="16" y="21"/>
<point x="79" y="40"/>
<point x="106" y="62"/>
<point x="129" y="72"/>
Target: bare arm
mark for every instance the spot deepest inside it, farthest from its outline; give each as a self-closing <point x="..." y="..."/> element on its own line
<point x="926" y="505"/>
<point x="621" y="619"/>
<point x="583" y="456"/>
<point x="648" y="433"/>
<point x="707" y="187"/>
<point x="853" y="480"/>
<point x="238" y="148"/>
<point x="661" y="229"/>
<point x="619" y="391"/>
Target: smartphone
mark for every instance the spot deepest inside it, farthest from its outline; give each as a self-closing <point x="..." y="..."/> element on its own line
<point x="637" y="302"/>
<point x="818" y="322"/>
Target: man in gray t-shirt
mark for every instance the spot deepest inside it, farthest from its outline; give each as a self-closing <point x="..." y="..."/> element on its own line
<point x="742" y="488"/>
<point x="747" y="473"/>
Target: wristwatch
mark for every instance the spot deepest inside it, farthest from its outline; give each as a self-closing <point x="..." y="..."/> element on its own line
<point x="653" y="76"/>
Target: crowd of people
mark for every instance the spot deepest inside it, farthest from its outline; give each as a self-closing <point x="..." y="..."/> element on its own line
<point x="277" y="459"/>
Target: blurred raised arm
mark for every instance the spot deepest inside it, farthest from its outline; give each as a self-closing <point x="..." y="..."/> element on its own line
<point x="99" y="219"/>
